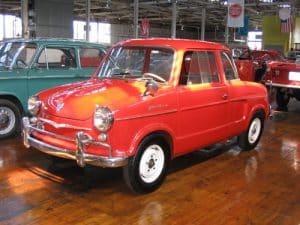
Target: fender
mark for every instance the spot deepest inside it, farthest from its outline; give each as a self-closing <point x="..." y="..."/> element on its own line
<point x="9" y="95"/>
<point x="257" y="107"/>
<point x="145" y="131"/>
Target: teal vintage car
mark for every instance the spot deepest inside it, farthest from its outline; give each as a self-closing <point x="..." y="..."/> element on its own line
<point x="29" y="66"/>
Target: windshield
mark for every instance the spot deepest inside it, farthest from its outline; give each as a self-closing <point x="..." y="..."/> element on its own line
<point x="136" y="62"/>
<point x="17" y="54"/>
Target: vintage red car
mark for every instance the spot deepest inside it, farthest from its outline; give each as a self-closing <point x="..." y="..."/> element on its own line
<point x="252" y="64"/>
<point x="150" y="101"/>
<point x="284" y="78"/>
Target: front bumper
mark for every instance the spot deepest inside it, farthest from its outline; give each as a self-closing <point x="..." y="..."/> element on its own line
<point x="82" y="158"/>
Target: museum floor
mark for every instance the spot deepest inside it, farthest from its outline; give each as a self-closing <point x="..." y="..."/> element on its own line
<point x="220" y="185"/>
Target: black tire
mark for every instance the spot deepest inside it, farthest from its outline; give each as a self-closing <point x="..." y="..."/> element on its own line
<point x="135" y="175"/>
<point x="250" y="138"/>
<point x="10" y="119"/>
<point x="282" y="100"/>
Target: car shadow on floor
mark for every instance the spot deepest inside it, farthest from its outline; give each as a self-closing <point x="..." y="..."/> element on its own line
<point x="73" y="178"/>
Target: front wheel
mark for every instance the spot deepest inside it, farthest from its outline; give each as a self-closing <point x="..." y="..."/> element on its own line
<point x="10" y="118"/>
<point x="250" y="138"/>
<point x="146" y="171"/>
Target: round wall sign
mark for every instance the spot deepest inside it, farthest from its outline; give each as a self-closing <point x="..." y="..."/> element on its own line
<point x="284" y="13"/>
<point x="235" y="10"/>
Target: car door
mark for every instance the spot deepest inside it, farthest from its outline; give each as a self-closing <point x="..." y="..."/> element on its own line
<point x="54" y="65"/>
<point x="203" y="102"/>
<point x="237" y="95"/>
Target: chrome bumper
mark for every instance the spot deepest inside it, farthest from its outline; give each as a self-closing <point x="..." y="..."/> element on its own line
<point x="79" y="155"/>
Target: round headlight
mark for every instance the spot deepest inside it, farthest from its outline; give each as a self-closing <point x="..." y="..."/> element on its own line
<point x="103" y="118"/>
<point x="34" y="104"/>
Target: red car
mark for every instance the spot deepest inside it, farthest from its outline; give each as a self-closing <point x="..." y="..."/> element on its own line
<point x="284" y="77"/>
<point x="251" y="64"/>
<point x="149" y="101"/>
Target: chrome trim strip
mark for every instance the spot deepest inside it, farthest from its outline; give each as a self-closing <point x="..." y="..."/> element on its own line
<point x="283" y="85"/>
<point x="148" y="115"/>
<point x="13" y="78"/>
<point x="82" y="158"/>
<point x="62" y="125"/>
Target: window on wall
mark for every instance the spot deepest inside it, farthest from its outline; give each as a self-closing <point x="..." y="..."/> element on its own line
<point x="10" y="27"/>
<point x="254" y="40"/>
<point x="99" y="32"/>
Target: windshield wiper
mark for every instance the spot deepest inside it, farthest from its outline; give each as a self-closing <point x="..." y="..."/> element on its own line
<point x="124" y="74"/>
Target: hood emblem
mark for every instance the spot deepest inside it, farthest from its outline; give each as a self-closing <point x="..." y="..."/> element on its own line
<point x="59" y="105"/>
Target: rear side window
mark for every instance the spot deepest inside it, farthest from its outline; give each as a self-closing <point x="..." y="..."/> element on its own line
<point x="199" y="67"/>
<point x="228" y="67"/>
<point x="57" y="58"/>
<point x="90" y="57"/>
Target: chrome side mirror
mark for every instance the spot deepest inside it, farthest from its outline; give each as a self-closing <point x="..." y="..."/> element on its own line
<point x="151" y="88"/>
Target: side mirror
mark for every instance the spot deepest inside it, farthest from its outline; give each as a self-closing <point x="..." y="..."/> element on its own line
<point x="36" y="66"/>
<point x="151" y="88"/>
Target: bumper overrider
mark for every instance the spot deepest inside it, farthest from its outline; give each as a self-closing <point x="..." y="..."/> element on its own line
<point x="82" y="140"/>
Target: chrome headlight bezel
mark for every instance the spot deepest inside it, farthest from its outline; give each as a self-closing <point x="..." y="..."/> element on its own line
<point x="103" y="118"/>
<point x="34" y="105"/>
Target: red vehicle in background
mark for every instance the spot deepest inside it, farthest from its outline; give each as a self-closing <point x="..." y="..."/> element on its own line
<point x="149" y="101"/>
<point x="283" y="78"/>
<point x="252" y="64"/>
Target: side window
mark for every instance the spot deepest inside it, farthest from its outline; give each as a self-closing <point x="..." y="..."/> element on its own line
<point x="228" y="67"/>
<point x="26" y="55"/>
<point x="161" y="61"/>
<point x="57" y="58"/>
<point x="90" y="57"/>
<point x="199" y="67"/>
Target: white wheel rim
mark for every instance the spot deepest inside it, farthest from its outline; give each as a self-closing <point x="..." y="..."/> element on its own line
<point x="7" y="121"/>
<point x="152" y="163"/>
<point x="254" y="130"/>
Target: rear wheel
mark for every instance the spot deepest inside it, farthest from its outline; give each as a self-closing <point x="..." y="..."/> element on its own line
<point x="282" y="99"/>
<point x="146" y="171"/>
<point x="10" y="118"/>
<point x="250" y="138"/>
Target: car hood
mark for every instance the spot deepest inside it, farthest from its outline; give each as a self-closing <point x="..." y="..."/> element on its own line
<point x="78" y="101"/>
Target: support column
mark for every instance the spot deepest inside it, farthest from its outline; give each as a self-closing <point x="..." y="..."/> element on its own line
<point x="174" y="15"/>
<point x="87" y="23"/>
<point x="24" y="15"/>
<point x="136" y="18"/>
<point x="203" y="21"/>
<point x="226" y="32"/>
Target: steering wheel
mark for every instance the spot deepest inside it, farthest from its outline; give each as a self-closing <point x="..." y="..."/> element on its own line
<point x="154" y="76"/>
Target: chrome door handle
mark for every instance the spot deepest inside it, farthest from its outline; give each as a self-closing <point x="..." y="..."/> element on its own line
<point x="225" y="96"/>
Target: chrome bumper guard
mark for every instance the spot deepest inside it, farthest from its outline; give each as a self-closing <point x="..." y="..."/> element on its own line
<point x="80" y="156"/>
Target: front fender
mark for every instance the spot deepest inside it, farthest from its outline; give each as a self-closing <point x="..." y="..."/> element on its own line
<point x="147" y="130"/>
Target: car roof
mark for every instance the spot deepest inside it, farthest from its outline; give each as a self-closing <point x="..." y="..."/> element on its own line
<point x="64" y="41"/>
<point x="175" y="43"/>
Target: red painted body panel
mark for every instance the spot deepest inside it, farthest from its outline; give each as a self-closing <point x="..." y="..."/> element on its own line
<point x="192" y="116"/>
<point x="279" y="73"/>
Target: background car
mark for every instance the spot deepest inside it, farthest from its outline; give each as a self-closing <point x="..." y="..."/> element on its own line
<point x="283" y="78"/>
<point x="293" y="55"/>
<point x="29" y="66"/>
<point x="251" y="64"/>
<point x="150" y="101"/>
